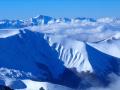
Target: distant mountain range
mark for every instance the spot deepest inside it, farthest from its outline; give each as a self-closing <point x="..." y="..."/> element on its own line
<point x="59" y="54"/>
<point x="43" y="20"/>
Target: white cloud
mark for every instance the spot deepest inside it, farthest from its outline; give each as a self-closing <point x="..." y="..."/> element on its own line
<point x="114" y="85"/>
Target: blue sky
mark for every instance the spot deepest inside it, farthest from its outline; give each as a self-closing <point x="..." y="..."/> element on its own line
<point x="23" y="9"/>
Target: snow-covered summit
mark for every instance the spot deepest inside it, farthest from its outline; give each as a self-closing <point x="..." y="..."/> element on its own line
<point x="59" y="51"/>
<point x="44" y="20"/>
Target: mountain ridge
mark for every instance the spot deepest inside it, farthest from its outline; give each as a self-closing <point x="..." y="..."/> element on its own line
<point x="31" y="46"/>
<point x="77" y="53"/>
<point x="43" y="20"/>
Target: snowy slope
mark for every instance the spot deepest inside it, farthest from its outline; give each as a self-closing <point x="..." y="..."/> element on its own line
<point x="26" y="45"/>
<point x="52" y="53"/>
<point x="47" y="86"/>
<point x="27" y="55"/>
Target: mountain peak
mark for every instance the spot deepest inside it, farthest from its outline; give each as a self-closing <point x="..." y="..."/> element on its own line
<point x="45" y="20"/>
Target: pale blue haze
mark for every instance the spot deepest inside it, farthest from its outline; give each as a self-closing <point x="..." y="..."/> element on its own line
<point x="23" y="9"/>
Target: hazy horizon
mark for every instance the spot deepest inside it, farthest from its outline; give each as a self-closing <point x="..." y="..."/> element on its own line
<point x="24" y="9"/>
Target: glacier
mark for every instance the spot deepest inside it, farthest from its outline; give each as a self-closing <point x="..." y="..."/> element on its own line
<point x="62" y="53"/>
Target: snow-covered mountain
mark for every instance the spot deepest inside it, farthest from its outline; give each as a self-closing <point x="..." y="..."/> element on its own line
<point x="44" y="20"/>
<point x="59" y="54"/>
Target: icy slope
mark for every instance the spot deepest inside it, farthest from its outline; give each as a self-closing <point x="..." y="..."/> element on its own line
<point x="43" y="56"/>
<point x="102" y="63"/>
<point x="81" y="55"/>
<point x="109" y="46"/>
<point x="59" y="51"/>
<point x="24" y="46"/>
<point x="27" y="55"/>
<point x="33" y="85"/>
<point x="71" y="52"/>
